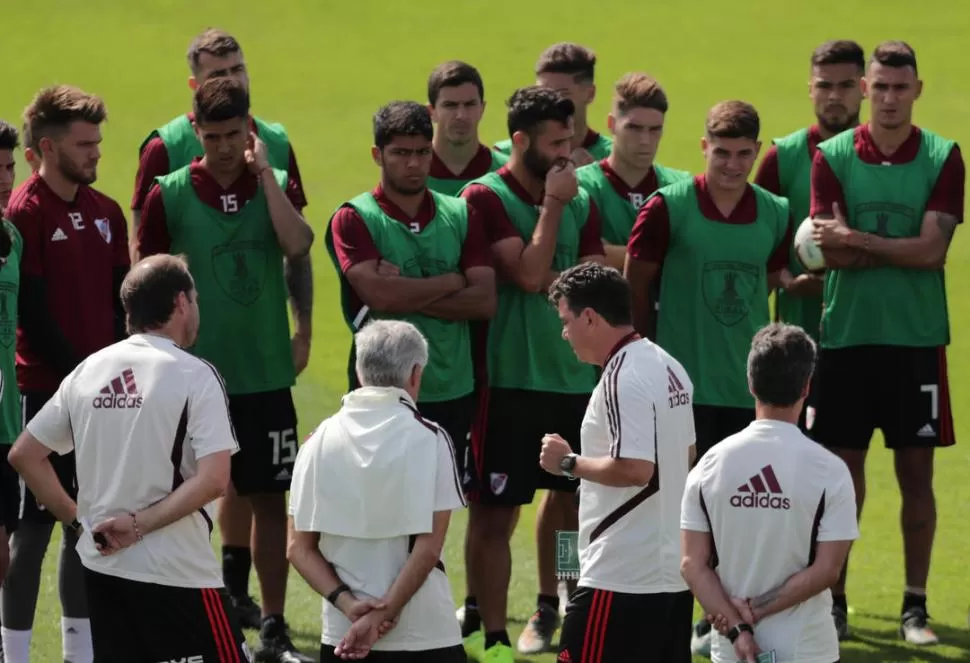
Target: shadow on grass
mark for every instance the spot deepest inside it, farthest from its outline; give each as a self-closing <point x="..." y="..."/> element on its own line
<point x="883" y="644"/>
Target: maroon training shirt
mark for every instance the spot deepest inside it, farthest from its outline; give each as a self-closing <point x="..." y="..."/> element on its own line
<point x="481" y="164"/>
<point x="153" y="162"/>
<point x="638" y="194"/>
<point x="77" y="248"/>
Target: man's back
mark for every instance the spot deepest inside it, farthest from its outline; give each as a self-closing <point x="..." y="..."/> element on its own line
<point x="142" y="412"/>
<point x="768" y="495"/>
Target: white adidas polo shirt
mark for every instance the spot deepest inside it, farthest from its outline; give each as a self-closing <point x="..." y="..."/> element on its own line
<point x="769" y="494"/>
<point x="140" y="414"/>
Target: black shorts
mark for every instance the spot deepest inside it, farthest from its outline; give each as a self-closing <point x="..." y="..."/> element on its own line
<point x="902" y="391"/>
<point x="507" y="439"/>
<point x="126" y="615"/>
<point x="30" y="511"/>
<point x="713" y="423"/>
<point x="613" y="627"/>
<point x="9" y="492"/>
<point x="454" y="654"/>
<point x="456" y="418"/>
<point x="265" y="425"/>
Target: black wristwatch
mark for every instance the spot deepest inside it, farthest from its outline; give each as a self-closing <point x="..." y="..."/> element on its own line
<point x="567" y="465"/>
<point x="735" y="631"/>
<point x="76" y="526"/>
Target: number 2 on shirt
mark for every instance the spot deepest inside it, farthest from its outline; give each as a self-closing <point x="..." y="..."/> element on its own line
<point x="284" y="446"/>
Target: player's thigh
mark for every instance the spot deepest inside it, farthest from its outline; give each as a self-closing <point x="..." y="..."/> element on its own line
<point x="675" y="611"/>
<point x="914" y="411"/>
<point x="455" y="416"/>
<point x="31" y="511"/>
<point x="847" y="382"/>
<point x="562" y="414"/>
<point x="265" y="427"/>
<point x="601" y="625"/>
<point x="507" y="448"/>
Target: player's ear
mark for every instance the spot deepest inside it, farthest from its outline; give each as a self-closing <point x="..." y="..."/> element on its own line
<point x="431" y="112"/>
<point x="521" y="139"/>
<point x="611" y="123"/>
<point x="704" y="144"/>
<point x="193" y="84"/>
<point x="375" y="154"/>
<point x="864" y="84"/>
<point x="919" y="88"/>
<point x="757" y="148"/>
<point x="590" y="93"/>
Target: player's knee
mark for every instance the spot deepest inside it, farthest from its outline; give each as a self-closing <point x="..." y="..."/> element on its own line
<point x="269" y="507"/>
<point x="491" y="524"/>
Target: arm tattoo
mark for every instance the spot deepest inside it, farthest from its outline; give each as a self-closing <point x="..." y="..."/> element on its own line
<point x="947" y="223"/>
<point x="766" y="598"/>
<point x="299" y="285"/>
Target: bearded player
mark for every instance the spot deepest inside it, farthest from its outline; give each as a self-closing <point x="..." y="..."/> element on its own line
<point x="887" y="198"/>
<point x="212" y="54"/>
<point x="569" y="69"/>
<point x="539" y="223"/>
<point x="456" y="100"/>
<point x="235" y="218"/>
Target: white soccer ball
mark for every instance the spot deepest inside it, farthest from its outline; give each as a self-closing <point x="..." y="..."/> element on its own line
<point x="807" y="249"/>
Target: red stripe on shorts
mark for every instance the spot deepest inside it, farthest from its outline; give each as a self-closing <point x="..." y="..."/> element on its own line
<point x="216" y="626"/>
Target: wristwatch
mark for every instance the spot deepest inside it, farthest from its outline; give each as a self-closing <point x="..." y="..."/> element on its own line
<point x="735" y="631"/>
<point x="76" y="526"/>
<point x="567" y="465"/>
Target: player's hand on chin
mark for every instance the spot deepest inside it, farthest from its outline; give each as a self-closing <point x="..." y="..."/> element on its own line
<point x="561" y="181"/>
<point x="554" y="449"/>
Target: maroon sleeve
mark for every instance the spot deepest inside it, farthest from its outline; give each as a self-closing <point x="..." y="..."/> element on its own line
<point x="119" y="235"/>
<point x="779" y="257"/>
<point x="495" y="221"/>
<point x="650" y="236"/>
<point x="152" y="163"/>
<point x="591" y="236"/>
<point x="297" y="195"/>
<point x="769" y="177"/>
<point x="352" y="240"/>
<point x="152" y="235"/>
<point x="947" y="195"/>
<point x="30" y="224"/>
<point x="475" y="251"/>
<point x="826" y="188"/>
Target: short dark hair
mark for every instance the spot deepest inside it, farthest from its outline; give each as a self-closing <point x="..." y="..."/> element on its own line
<point x="452" y="74"/>
<point x="401" y="118"/>
<point x="839" y="51"/>
<point x="568" y="58"/>
<point x="150" y="289"/>
<point x="9" y="140"/>
<point x="638" y="90"/>
<point x="531" y="106"/>
<point x="896" y="54"/>
<point x="216" y="43"/>
<point x="55" y="108"/>
<point x="780" y="364"/>
<point x="595" y="286"/>
<point x="733" y="119"/>
<point x="220" y="99"/>
<point x="27" y="137"/>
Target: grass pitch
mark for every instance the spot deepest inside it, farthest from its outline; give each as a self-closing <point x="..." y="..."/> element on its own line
<point x="322" y="68"/>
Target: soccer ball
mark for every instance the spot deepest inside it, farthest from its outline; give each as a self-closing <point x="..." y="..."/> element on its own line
<point x="806" y="249"/>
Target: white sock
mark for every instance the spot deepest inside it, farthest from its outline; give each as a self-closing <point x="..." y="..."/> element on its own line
<point x="16" y="645"/>
<point x="76" y="636"/>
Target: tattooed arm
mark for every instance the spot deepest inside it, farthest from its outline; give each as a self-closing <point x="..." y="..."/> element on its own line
<point x="299" y="284"/>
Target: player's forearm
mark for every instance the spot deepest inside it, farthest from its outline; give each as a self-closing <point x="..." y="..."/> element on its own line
<point x="120" y="317"/>
<point x="910" y="252"/>
<point x="614" y="472"/>
<point x="643" y="310"/>
<point x="615" y="255"/>
<point x="310" y="563"/>
<point x="299" y="284"/>
<point x="535" y="261"/>
<point x="797" y="589"/>
<point x="400" y="294"/>
<point x="198" y="491"/>
<point x="474" y="302"/>
<point x="848" y="259"/>
<point x="421" y="561"/>
<point x="40" y="477"/>
<point x="293" y="233"/>
<point x="708" y="590"/>
<point x="38" y="325"/>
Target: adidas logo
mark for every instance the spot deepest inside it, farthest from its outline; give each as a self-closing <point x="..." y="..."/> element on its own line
<point x="283" y="475"/>
<point x="58" y="236"/>
<point x="676" y="394"/>
<point x="121" y="392"/>
<point x="762" y="491"/>
<point x="926" y="431"/>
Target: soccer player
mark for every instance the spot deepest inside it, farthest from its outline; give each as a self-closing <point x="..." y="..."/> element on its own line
<point x="887" y="198"/>
<point x="631" y="598"/>
<point x="768" y="516"/>
<point x="212" y="54"/>
<point x="352" y="535"/>
<point x="539" y="223"/>
<point x="236" y="219"/>
<point x="720" y="245"/>
<point x="835" y="88"/>
<point x="11" y="248"/>
<point x="456" y="99"/>
<point x="151" y="431"/>
<point x="569" y="68"/>
<point x="75" y="256"/>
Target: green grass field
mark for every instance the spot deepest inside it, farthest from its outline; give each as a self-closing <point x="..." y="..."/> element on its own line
<point x="322" y="68"/>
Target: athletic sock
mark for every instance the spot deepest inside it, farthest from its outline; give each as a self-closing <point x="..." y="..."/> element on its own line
<point x="839" y="601"/>
<point x="914" y="599"/>
<point x="76" y="639"/>
<point x="473" y="620"/>
<point x="236" y="564"/>
<point x="497" y="638"/>
<point x="551" y="601"/>
<point x="16" y="645"/>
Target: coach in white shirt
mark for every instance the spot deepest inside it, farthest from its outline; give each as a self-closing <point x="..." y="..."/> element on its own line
<point x="150" y="427"/>
<point x="637" y="442"/>
<point x="768" y="517"/>
<point x="372" y="493"/>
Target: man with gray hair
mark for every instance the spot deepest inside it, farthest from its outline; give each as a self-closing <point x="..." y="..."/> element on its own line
<point x="372" y="493"/>
<point x="767" y="519"/>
